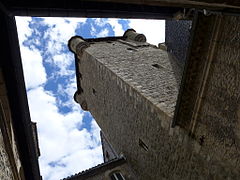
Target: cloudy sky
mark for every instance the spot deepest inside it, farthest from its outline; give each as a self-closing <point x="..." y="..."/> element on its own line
<point x="68" y="137"/>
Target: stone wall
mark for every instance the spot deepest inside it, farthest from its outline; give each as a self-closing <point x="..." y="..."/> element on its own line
<point x="177" y="38"/>
<point x="131" y="91"/>
<point x="219" y="113"/>
<point x="5" y="167"/>
<point x="10" y="163"/>
<point x="108" y="151"/>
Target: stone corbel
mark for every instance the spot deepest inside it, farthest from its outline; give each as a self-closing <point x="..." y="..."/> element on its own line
<point x="131" y="34"/>
<point x="77" y="45"/>
<point x="80" y="99"/>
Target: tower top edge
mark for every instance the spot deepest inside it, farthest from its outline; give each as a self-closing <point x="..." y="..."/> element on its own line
<point x="128" y="34"/>
<point x="71" y="42"/>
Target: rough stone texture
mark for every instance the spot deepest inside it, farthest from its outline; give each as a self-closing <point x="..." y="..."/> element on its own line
<point x="209" y="107"/>
<point x="133" y="102"/>
<point x="219" y="115"/>
<point x="146" y="69"/>
<point x="5" y="168"/>
<point x="9" y="155"/>
<point x="203" y="28"/>
<point x="108" y="151"/>
<point x="177" y="38"/>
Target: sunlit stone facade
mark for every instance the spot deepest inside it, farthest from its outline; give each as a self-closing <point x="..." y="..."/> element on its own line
<point x="131" y="88"/>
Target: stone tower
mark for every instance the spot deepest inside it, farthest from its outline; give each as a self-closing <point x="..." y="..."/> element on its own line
<point x="130" y="88"/>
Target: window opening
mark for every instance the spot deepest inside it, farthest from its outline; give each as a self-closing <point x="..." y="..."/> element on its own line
<point x="142" y="145"/>
<point x="131" y="49"/>
<point x="156" y="66"/>
<point x="117" y="176"/>
<point x="94" y="91"/>
<point x="107" y="155"/>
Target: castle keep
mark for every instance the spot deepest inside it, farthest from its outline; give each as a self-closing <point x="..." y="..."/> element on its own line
<point x="197" y="139"/>
<point x="158" y="123"/>
<point x="130" y="88"/>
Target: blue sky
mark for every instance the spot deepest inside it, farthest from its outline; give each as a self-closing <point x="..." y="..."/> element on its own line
<point x="69" y="138"/>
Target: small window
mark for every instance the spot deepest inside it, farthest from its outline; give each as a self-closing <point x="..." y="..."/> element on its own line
<point x="142" y="145"/>
<point x="117" y="176"/>
<point x="94" y="91"/>
<point x="131" y="49"/>
<point x="156" y="66"/>
<point x="107" y="155"/>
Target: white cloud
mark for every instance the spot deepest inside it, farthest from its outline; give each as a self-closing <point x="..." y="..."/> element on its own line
<point x="93" y="31"/>
<point x="63" y="62"/>
<point x="62" y="29"/>
<point x="95" y="133"/>
<point x="64" y="143"/>
<point x="117" y="27"/>
<point x="69" y="91"/>
<point x="100" y="22"/>
<point x="103" y="33"/>
<point x="154" y="30"/>
<point x="23" y="29"/>
<point x="34" y="72"/>
<point x="59" y="132"/>
<point x="59" y="32"/>
<point x="66" y="147"/>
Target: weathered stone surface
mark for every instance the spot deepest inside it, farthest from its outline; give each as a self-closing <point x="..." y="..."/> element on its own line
<point x="108" y="150"/>
<point x="177" y="38"/>
<point x="131" y="91"/>
<point x="9" y="154"/>
<point x="5" y="168"/>
<point x="209" y="110"/>
<point x="218" y="117"/>
<point x="204" y="28"/>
